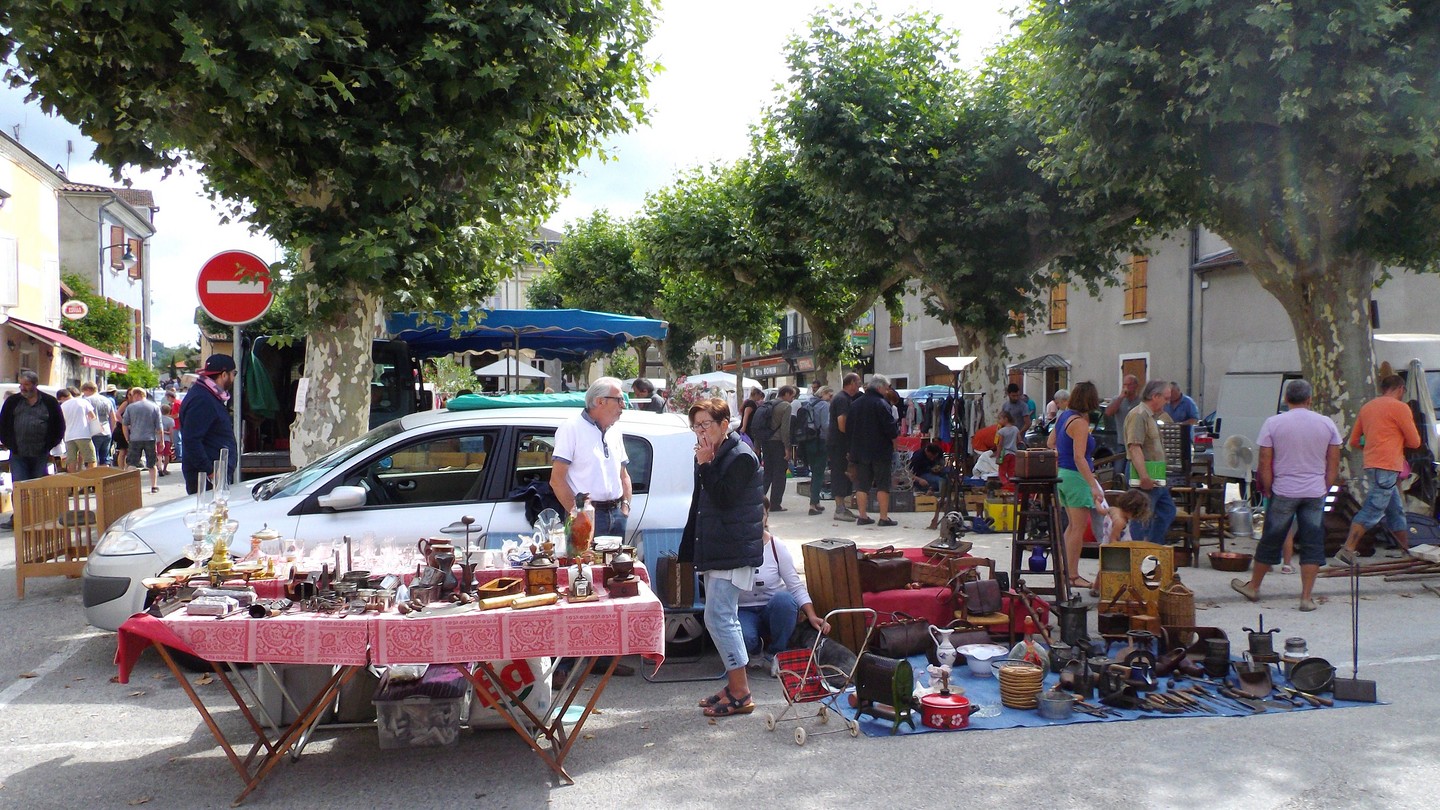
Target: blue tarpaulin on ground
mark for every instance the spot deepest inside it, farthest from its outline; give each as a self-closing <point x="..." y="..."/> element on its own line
<point x="561" y="334"/>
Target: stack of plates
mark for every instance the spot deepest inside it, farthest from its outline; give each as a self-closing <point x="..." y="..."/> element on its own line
<point x="1020" y="683"/>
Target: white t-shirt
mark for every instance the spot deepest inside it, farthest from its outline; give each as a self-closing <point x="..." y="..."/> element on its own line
<point x="776" y="573"/>
<point x="78" y="413"/>
<point x="595" y="461"/>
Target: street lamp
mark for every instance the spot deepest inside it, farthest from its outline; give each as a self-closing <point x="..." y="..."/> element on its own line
<point x="127" y="259"/>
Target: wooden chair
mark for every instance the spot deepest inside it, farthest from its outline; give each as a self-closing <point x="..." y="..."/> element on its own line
<point x="996" y="623"/>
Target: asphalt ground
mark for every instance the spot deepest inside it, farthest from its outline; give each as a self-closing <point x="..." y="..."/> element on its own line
<point x="69" y="737"/>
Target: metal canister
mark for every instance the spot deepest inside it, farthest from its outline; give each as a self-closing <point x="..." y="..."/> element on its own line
<point x="1295" y="652"/>
<point x="1217" y="657"/>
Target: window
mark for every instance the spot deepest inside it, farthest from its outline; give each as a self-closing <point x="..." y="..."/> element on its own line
<point x="137" y="248"/>
<point x="535" y="450"/>
<point x="897" y="332"/>
<point x="1059" y="315"/>
<point x="9" y="272"/>
<point x="441" y="469"/>
<point x="117" y="247"/>
<point x="1136" y="287"/>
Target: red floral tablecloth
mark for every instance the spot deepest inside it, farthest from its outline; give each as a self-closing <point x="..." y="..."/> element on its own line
<point x="294" y="638"/>
<point x="633" y="625"/>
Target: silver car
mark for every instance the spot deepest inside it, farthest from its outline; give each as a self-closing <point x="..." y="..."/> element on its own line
<point x="406" y="479"/>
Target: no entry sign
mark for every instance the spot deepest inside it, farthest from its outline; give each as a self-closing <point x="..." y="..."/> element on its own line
<point x="234" y="287"/>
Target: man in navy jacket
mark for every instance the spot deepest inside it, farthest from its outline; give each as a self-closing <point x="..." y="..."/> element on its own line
<point x="205" y="421"/>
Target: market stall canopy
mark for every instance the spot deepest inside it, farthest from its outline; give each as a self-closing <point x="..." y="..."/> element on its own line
<point x="719" y="379"/>
<point x="561" y="334"/>
<point x="510" y="367"/>
<point x="90" y="356"/>
<point x="481" y="402"/>
<point x="929" y="392"/>
<point x="1041" y="363"/>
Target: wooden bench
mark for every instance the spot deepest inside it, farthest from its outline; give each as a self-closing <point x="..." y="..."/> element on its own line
<point x="59" y="519"/>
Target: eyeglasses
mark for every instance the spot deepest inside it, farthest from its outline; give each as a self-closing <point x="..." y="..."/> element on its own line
<point x="701" y="427"/>
<point x="602" y="399"/>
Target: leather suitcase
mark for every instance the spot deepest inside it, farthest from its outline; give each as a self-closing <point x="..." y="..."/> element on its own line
<point x="1043" y="463"/>
<point x="832" y="575"/>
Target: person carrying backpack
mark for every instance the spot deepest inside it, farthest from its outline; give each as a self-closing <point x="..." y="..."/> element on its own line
<point x="770" y="429"/>
<point x="808" y="433"/>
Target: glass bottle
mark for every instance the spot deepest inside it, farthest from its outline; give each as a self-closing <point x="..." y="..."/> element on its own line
<point x="582" y="527"/>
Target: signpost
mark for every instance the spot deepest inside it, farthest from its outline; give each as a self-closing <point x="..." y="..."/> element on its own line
<point x="234" y="289"/>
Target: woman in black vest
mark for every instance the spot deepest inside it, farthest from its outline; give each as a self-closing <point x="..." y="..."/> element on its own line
<point x="724" y="537"/>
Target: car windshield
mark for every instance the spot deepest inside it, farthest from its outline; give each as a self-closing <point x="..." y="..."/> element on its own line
<point x="295" y="482"/>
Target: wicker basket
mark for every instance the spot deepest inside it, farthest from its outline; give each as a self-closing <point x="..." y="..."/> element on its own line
<point x="1177" y="606"/>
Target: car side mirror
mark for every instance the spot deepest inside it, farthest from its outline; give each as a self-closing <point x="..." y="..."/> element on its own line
<point x="342" y="498"/>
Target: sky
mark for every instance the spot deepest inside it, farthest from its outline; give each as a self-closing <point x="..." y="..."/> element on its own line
<point x="720" y="70"/>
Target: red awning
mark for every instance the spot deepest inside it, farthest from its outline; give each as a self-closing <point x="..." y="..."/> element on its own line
<point x="89" y="355"/>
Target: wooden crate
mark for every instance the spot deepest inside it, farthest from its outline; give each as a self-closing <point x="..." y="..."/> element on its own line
<point x="926" y="503"/>
<point x="1120" y="564"/>
<point x="833" y="579"/>
<point x="60" y="518"/>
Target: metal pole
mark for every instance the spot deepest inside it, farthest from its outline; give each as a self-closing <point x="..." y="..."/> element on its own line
<point x="235" y="402"/>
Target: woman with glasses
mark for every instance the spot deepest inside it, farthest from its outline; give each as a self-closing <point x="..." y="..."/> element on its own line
<point x="724" y="538"/>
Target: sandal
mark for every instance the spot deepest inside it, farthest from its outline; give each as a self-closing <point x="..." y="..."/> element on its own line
<point x="730" y="705"/>
<point x="714" y="700"/>
<point x="1081" y="582"/>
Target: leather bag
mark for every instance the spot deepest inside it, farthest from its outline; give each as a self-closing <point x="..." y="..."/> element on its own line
<point x="901" y="637"/>
<point x="982" y="596"/>
<point x="885" y="569"/>
<point x="677" y="582"/>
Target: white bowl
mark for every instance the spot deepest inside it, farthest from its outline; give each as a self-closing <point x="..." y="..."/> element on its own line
<point x="979" y="656"/>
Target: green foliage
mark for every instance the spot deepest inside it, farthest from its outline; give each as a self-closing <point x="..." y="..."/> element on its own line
<point x="595" y="268"/>
<point x="448" y="375"/>
<point x="707" y="364"/>
<point x="137" y="373"/>
<point x="401" y="148"/>
<point x="107" y="325"/>
<point x="622" y="364"/>
<point x="544" y="291"/>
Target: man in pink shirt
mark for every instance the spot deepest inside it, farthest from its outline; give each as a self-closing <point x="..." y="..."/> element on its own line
<point x="1388" y="428"/>
<point x="1299" y="462"/>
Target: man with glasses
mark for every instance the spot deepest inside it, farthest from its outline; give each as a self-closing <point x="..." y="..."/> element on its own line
<point x="590" y="458"/>
<point x="1143" y="444"/>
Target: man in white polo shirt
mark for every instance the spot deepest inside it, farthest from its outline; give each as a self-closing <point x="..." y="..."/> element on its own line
<point x="590" y="458"/>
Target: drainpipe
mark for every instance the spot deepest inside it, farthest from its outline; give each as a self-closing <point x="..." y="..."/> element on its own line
<point x="1190" y="309"/>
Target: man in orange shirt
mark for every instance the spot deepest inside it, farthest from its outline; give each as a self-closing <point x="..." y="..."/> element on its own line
<point x="1388" y="428"/>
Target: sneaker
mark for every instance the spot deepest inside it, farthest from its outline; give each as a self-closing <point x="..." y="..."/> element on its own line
<point x="1307" y="605"/>
<point x="846" y="515"/>
<point x="886" y="522"/>
<point x="865" y="521"/>
<point x="774" y="667"/>
<point x="1347" y="556"/>
<point x="1243" y="588"/>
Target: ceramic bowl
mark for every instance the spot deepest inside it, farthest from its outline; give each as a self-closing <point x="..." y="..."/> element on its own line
<point x="979" y="656"/>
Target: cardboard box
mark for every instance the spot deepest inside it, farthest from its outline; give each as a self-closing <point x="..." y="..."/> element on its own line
<point x="1002" y="515"/>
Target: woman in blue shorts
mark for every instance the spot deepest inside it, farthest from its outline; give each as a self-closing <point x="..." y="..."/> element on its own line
<point x="1078" y="489"/>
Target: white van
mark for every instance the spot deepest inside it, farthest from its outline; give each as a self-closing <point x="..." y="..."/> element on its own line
<point x="1253" y="389"/>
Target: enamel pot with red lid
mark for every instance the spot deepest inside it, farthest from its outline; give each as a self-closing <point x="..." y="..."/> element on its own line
<point x="946" y="711"/>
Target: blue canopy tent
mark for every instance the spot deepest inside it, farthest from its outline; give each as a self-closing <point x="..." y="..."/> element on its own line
<point x="559" y="334"/>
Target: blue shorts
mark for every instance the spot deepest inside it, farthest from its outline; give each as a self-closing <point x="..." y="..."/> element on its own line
<point x="1384" y="500"/>
<point x="1308" y="515"/>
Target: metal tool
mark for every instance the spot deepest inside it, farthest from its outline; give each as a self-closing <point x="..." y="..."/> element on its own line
<point x="1313" y="700"/>
<point x="1253" y="704"/>
<point x="1353" y="687"/>
<point x="1262" y="643"/>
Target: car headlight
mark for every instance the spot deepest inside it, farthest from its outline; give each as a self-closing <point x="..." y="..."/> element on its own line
<point x="120" y="543"/>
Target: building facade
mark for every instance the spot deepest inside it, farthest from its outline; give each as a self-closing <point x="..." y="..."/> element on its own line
<point x="105" y="240"/>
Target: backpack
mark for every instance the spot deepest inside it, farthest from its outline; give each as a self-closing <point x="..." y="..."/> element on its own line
<point x="803" y="427"/>
<point x="761" y="431"/>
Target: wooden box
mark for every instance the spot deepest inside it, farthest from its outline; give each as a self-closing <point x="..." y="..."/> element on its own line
<point x="60" y="518"/>
<point x="1036" y="464"/>
<point x="926" y="503"/>
<point x="833" y="579"/>
<point x="1121" y="564"/>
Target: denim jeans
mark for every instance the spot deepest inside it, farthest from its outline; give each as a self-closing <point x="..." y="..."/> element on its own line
<point x="935" y="480"/>
<point x="1308" y="514"/>
<point x="722" y="619"/>
<point x="27" y="468"/>
<point x="773" y="621"/>
<point x="817" y="457"/>
<point x="1383" y="501"/>
<point x="1162" y="514"/>
<point x="776" y="467"/>
<point x="610" y="522"/>
<point x="102" y="450"/>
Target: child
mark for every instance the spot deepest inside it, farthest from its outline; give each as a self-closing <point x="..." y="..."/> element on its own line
<point x="1130" y="505"/>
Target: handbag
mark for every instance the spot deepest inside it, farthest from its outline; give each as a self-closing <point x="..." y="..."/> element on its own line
<point x="884" y="569"/>
<point x="677" y="581"/>
<point x="982" y="596"/>
<point x="901" y="637"/>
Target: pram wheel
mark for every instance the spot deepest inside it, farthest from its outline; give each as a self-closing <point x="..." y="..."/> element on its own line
<point x="770" y="721"/>
<point x="824" y="715"/>
<point x="854" y="729"/>
<point x="800" y="736"/>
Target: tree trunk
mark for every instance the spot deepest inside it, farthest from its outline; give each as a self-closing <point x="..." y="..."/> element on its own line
<point x="987" y="373"/>
<point x="338" y="368"/>
<point x="1328" y="302"/>
<point x="642" y="348"/>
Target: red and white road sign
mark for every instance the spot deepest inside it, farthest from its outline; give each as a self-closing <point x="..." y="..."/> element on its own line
<point x="234" y="287"/>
